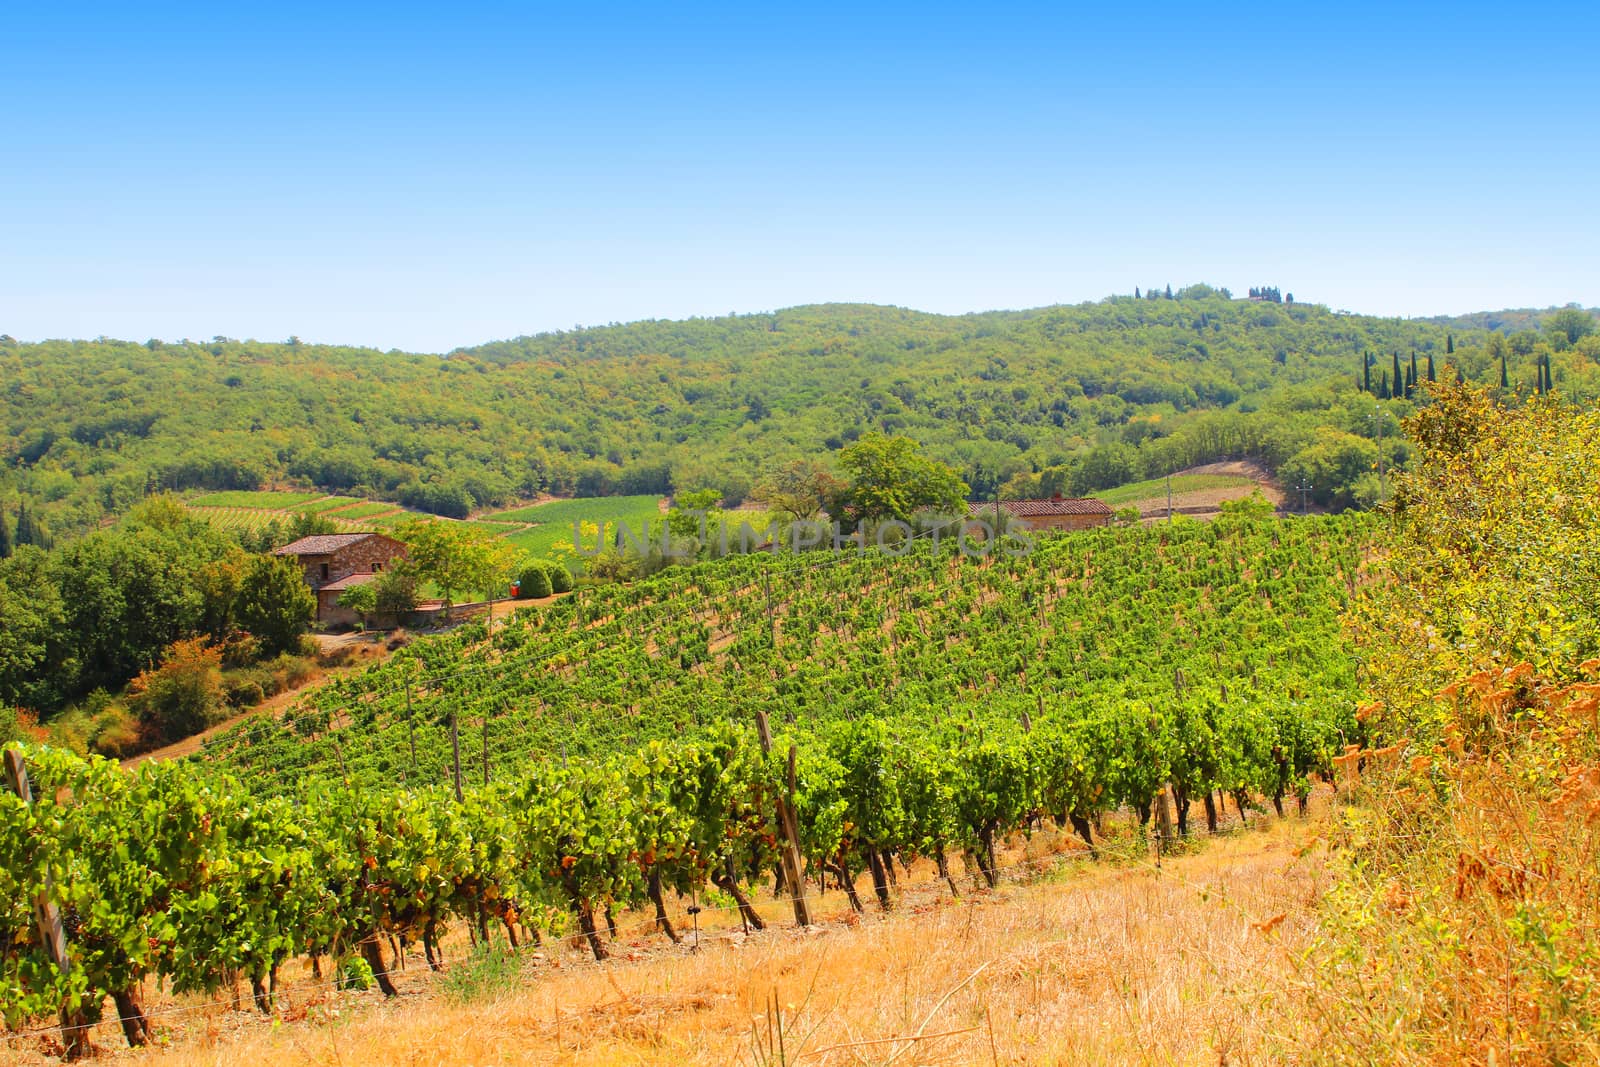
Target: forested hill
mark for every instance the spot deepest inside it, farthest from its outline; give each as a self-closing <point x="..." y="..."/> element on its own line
<point x="1096" y="393"/>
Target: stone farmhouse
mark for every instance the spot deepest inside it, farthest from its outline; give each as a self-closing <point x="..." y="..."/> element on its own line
<point x="1057" y="513"/>
<point x="334" y="562"/>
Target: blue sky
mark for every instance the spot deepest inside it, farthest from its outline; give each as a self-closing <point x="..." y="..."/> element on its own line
<point x="424" y="178"/>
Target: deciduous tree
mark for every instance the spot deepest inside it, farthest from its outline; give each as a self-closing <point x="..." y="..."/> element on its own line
<point x="274" y="603"/>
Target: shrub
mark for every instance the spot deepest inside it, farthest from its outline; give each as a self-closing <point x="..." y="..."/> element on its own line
<point x="560" y="577"/>
<point x="292" y="672"/>
<point x="244" y="691"/>
<point x="182" y="696"/>
<point x="535" y="581"/>
<point x="115" y="732"/>
<point x="240" y="649"/>
<point x="350" y="655"/>
<point x="18" y="725"/>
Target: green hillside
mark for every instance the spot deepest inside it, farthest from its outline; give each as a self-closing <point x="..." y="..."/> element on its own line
<point x="1102" y="393"/>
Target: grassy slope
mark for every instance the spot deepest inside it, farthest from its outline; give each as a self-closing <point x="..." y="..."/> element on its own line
<point x="1157" y="487"/>
<point x="551" y="522"/>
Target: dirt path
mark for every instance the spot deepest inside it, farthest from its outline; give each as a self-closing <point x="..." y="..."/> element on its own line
<point x="274" y="705"/>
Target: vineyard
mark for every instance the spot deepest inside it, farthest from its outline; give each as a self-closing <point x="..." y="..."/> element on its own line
<point x="601" y="753"/>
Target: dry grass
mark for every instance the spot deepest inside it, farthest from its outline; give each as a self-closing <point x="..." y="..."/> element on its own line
<point x="1111" y="962"/>
<point x="1463" y="929"/>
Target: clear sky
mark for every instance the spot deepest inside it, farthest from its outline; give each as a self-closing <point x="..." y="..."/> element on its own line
<point x="424" y="178"/>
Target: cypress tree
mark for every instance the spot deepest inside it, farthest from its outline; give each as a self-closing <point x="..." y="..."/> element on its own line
<point x="1366" y="372"/>
<point x="5" y="536"/>
<point x="1169" y="291"/>
<point x="1383" y="386"/>
<point x="1431" y="378"/>
<point x="1504" y="382"/>
<point x="1395" y="377"/>
<point x="27" y="531"/>
<point x="1449" y="348"/>
<point x="1136" y="294"/>
<point x="1413" y="386"/>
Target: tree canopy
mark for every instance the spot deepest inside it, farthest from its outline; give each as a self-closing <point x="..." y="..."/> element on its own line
<point x="92" y="427"/>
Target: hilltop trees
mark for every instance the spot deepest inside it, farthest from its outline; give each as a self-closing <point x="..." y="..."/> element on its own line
<point x="662" y="406"/>
<point x="1569" y="326"/>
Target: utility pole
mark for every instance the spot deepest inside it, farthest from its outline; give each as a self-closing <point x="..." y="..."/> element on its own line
<point x="1304" y="487"/>
<point x="1377" y="419"/>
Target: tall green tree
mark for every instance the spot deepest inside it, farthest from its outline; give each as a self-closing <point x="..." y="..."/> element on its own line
<point x="274" y="604"/>
<point x="889" y="478"/>
<point x="1396" y="380"/>
<point x="454" y="557"/>
<point x="34" y="657"/>
<point x="1431" y="376"/>
<point x="28" y="530"/>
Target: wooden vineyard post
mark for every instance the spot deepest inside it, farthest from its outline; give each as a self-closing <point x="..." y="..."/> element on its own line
<point x="772" y="620"/>
<point x="411" y="730"/>
<point x="338" y="750"/>
<point x="47" y="917"/>
<point x="455" y="753"/>
<point x="1163" y="822"/>
<point x="486" y="750"/>
<point x="793" y="875"/>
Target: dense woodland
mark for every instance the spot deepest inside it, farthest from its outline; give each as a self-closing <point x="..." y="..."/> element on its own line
<point x="1067" y="398"/>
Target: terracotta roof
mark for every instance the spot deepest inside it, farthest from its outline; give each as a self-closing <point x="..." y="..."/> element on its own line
<point x="322" y="544"/>
<point x="1025" y="509"/>
<point x="347" y="581"/>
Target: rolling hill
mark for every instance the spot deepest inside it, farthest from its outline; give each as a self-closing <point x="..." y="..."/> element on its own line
<point x="1108" y="392"/>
